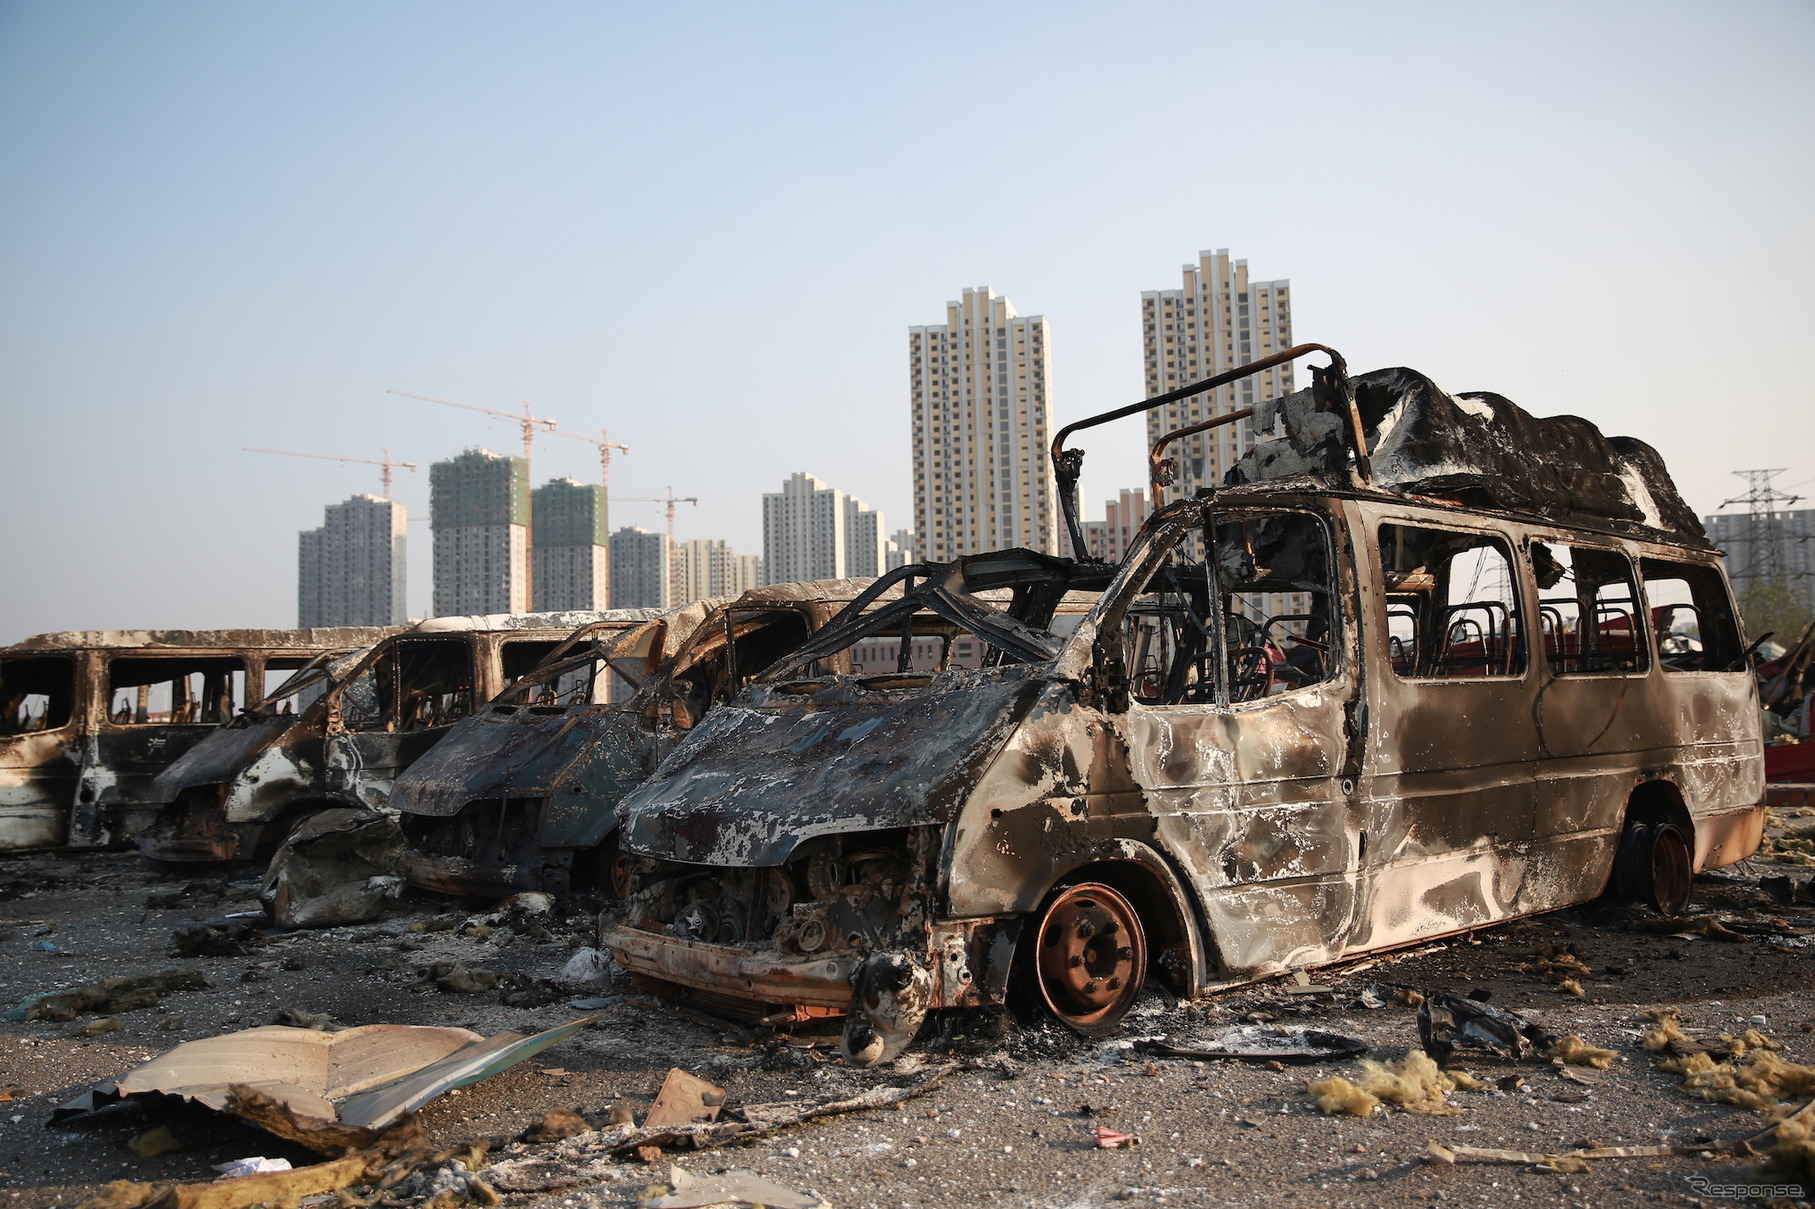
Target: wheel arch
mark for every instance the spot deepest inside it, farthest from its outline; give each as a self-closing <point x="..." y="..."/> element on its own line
<point x="1179" y="947"/>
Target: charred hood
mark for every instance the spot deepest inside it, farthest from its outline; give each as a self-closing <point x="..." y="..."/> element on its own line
<point x="506" y="751"/>
<point x="776" y="768"/>
<point x="222" y="755"/>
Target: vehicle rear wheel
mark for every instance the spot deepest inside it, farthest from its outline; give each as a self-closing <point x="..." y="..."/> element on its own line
<point x="1655" y="866"/>
<point x="1090" y="958"/>
<point x="615" y="868"/>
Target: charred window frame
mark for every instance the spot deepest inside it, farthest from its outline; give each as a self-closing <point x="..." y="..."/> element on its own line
<point x="946" y="602"/>
<point x="518" y="657"/>
<point x="1454" y="603"/>
<point x="37" y="693"/>
<point x="1692" y="617"/>
<point x="174" y="690"/>
<point x="416" y="685"/>
<point x="1275" y="626"/>
<point x="1588" y="610"/>
<point x="731" y="650"/>
<point x="572" y="671"/>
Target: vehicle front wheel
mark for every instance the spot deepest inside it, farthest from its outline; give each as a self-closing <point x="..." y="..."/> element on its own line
<point x="1655" y="865"/>
<point x="1089" y="958"/>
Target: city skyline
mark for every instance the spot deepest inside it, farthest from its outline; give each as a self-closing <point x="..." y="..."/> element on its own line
<point x="198" y="253"/>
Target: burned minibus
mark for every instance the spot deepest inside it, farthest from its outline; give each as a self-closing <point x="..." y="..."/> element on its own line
<point x="1413" y="669"/>
<point x="339" y="731"/>
<point x="89" y="717"/>
<point x="523" y="795"/>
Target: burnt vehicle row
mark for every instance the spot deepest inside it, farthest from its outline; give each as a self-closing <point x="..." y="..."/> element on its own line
<point x="1425" y="662"/>
<point x="89" y="718"/>
<point x="522" y="796"/>
<point x="341" y="730"/>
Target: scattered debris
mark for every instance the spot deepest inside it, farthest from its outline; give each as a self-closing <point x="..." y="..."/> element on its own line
<point x="1414" y="1083"/>
<point x="338" y="867"/>
<point x="110" y="995"/>
<point x="1251" y="1043"/>
<point x="683" y="1100"/>
<point x="1560" y="965"/>
<point x="360" y="1079"/>
<point x="1788" y="891"/>
<point x="1109" y="1139"/>
<point x="685" y="1190"/>
<point x="1573" y="1051"/>
<point x="1700" y="925"/>
<point x="586" y="970"/>
<point x="256" y="1165"/>
<point x="555" y="1126"/>
<point x="1569" y="1161"/>
<point x="217" y="940"/>
<point x="1383" y="994"/>
<point x="159" y="1139"/>
<point x="1756" y="1079"/>
<point x="594" y="1156"/>
<point x="455" y="978"/>
<point x="1449" y="1022"/>
<point x="94" y="1028"/>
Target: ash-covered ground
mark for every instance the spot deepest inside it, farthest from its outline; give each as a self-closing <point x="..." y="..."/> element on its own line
<point x="1013" y="1125"/>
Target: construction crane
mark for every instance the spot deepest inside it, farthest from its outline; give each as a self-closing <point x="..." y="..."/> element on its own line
<point x="671" y="499"/>
<point x="527" y="421"/>
<point x="385" y="463"/>
<point x="605" y="447"/>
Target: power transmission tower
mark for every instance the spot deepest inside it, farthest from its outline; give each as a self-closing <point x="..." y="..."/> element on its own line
<point x="1765" y="534"/>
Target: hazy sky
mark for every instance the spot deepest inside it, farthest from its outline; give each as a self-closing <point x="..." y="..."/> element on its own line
<point x="707" y="228"/>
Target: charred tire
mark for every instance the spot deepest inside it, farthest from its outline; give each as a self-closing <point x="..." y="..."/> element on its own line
<point x="1087" y="958"/>
<point x="612" y="869"/>
<point x="1655" y="866"/>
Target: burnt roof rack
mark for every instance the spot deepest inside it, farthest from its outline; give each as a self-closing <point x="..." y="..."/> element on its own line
<point x="1331" y="381"/>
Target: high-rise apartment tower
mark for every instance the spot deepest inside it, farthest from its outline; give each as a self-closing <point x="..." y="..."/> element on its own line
<point x="351" y="570"/>
<point x="639" y="569"/>
<point x="700" y="568"/>
<point x="570" y="550"/>
<point x="1216" y="321"/>
<point x="814" y="531"/>
<point x="479" y="511"/>
<point x="982" y="480"/>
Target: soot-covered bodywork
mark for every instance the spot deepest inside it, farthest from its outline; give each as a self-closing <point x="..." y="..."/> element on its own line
<point x="523" y="796"/>
<point x="1309" y="716"/>
<point x="89" y="718"/>
<point x="339" y="731"/>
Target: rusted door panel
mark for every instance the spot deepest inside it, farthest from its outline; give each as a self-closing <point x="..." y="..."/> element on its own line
<point x="621" y="749"/>
<point x="120" y="770"/>
<point x="1256" y="794"/>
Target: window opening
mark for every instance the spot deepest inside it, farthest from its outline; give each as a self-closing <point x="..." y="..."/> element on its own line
<point x="1691" y="617"/>
<point x="1270" y="631"/>
<point x="1587" y="610"/>
<point x="1452" y="604"/>
<point x="203" y="691"/>
<point x="36" y="693"/>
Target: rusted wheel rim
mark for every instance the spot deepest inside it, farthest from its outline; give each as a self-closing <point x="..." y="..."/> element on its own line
<point x="1091" y="956"/>
<point x="618" y="867"/>
<point x="1671" y="870"/>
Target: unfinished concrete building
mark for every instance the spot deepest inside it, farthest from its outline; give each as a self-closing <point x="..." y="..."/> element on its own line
<point x="479" y="511"/>
<point x="570" y="551"/>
